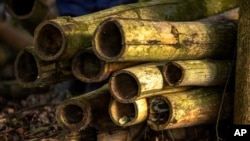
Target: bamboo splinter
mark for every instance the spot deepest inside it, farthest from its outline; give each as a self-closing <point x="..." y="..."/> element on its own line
<point x="117" y="39"/>
<point x="197" y="72"/>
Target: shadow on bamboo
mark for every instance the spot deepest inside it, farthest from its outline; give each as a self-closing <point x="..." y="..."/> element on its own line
<point x="87" y="67"/>
<point x="197" y="72"/>
<point x="31" y="71"/>
<point x="119" y="39"/>
<point x="184" y="109"/>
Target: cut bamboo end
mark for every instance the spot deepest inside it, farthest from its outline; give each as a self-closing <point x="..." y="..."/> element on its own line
<point x="50" y="41"/>
<point x="74" y="114"/>
<point x="108" y="29"/>
<point x="127" y="114"/>
<point x="197" y="72"/>
<point x="88" y="68"/>
<point x="128" y="84"/>
<point x="184" y="109"/>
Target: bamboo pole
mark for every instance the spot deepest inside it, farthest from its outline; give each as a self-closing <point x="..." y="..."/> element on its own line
<point x="31" y="71"/>
<point x="129" y="83"/>
<point x="117" y="39"/>
<point x="89" y="68"/>
<point x="193" y="107"/>
<point x="61" y="38"/>
<point x="127" y="114"/>
<point x="87" y="110"/>
<point x="29" y="12"/>
<point x="197" y="72"/>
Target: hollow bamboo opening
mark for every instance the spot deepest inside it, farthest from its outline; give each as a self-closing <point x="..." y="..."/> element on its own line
<point x="108" y="40"/>
<point x="26" y="67"/>
<point x="172" y="73"/>
<point x="122" y="113"/>
<point x="124" y="86"/>
<point x="73" y="114"/>
<point x="21" y="8"/>
<point x="87" y="66"/>
<point x="50" y="42"/>
<point x="160" y="112"/>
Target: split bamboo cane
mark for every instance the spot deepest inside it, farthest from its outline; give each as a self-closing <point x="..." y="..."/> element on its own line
<point x="141" y="81"/>
<point x="117" y="39"/>
<point x="31" y="71"/>
<point x="86" y="110"/>
<point x="127" y="114"/>
<point x="89" y="68"/>
<point x="184" y="109"/>
<point x="61" y="38"/>
<point x="197" y="72"/>
<point x="29" y="12"/>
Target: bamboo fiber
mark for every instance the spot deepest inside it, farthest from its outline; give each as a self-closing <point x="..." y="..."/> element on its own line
<point x="31" y="71"/>
<point x="127" y="114"/>
<point x="197" y="72"/>
<point x="117" y="39"/>
<point x="89" y="68"/>
<point x="61" y="38"/>
<point x="86" y="110"/>
<point x="183" y="109"/>
<point x="128" y="84"/>
<point x="29" y="12"/>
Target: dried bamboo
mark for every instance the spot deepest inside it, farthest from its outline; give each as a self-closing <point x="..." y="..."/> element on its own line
<point x="193" y="107"/>
<point x="29" y="12"/>
<point x="31" y="71"/>
<point x="61" y="38"/>
<point x="129" y="83"/>
<point x="89" y="68"/>
<point x="86" y="110"/>
<point x="127" y="114"/>
<point x="117" y="39"/>
<point x="197" y="72"/>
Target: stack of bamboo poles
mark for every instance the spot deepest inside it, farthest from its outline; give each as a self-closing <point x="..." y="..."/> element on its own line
<point x="165" y="70"/>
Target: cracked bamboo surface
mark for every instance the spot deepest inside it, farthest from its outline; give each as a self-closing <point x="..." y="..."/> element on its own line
<point x="183" y="109"/>
<point x="197" y="72"/>
<point x="61" y="38"/>
<point x="30" y="71"/>
<point x="119" y="39"/>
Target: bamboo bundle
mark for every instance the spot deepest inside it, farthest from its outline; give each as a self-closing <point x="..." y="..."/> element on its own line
<point x="31" y="71"/>
<point x="208" y="72"/>
<point x="61" y="38"/>
<point x="183" y="109"/>
<point x="127" y="114"/>
<point x="117" y="39"/>
<point x="86" y="110"/>
<point x="32" y="14"/>
<point x="87" y="67"/>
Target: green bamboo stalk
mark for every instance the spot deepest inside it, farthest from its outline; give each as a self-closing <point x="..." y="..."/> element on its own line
<point x="118" y="39"/>
<point x="61" y="38"/>
<point x="31" y="71"/>
<point x="189" y="108"/>
<point x="197" y="72"/>
<point x="87" y="67"/>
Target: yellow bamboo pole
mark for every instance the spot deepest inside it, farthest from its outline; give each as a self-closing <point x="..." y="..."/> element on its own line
<point x="127" y="114"/>
<point x="189" y="108"/>
<point x="31" y="71"/>
<point x="87" y="67"/>
<point x="197" y="72"/>
<point x="119" y="39"/>
<point x="61" y="38"/>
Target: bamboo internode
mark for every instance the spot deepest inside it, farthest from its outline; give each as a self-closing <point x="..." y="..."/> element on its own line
<point x="183" y="109"/>
<point x="87" y="67"/>
<point x="197" y="72"/>
<point x="31" y="71"/>
<point x="127" y="114"/>
<point x="128" y="84"/>
<point x="118" y="39"/>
